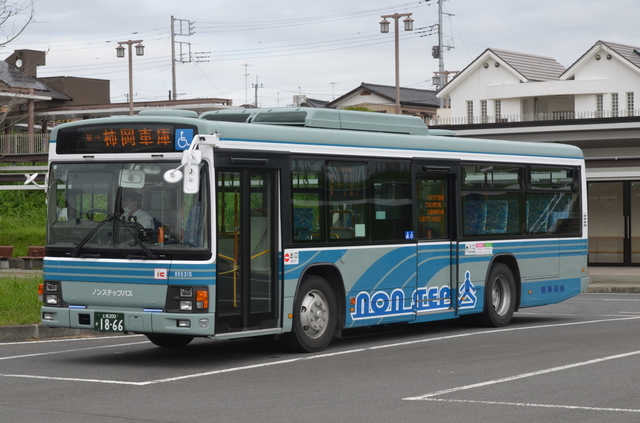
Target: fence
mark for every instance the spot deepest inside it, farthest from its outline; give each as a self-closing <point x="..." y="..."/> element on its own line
<point x="24" y="143"/>
<point x="531" y="117"/>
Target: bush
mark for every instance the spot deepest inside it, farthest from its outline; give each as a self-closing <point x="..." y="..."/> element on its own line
<point x="23" y="217"/>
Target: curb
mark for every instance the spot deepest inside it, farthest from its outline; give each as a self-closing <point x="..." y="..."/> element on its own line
<point x="613" y="288"/>
<point x="21" y="333"/>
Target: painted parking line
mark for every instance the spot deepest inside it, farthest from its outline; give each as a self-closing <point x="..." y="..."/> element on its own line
<point x="431" y="396"/>
<point x="306" y="357"/>
<point x="521" y="404"/>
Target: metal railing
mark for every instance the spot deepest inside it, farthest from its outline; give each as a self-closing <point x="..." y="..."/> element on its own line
<point x="531" y="117"/>
<point x="24" y="143"/>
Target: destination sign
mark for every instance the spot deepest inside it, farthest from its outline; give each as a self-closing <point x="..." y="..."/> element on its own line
<point x="138" y="137"/>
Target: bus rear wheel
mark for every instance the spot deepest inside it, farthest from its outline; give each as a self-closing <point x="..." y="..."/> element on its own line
<point x="314" y="316"/>
<point x="169" y="341"/>
<point x="500" y="297"/>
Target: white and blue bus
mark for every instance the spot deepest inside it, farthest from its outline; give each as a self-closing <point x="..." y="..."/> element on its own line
<point x="302" y="223"/>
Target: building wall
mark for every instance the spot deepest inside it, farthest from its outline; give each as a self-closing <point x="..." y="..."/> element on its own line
<point x="83" y="91"/>
<point x="474" y="87"/>
<point x="608" y="76"/>
<point x="359" y="99"/>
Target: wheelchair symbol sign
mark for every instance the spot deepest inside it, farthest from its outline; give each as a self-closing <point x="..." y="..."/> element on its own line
<point x="183" y="138"/>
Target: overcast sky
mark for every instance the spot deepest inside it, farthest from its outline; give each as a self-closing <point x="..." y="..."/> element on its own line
<point x="322" y="49"/>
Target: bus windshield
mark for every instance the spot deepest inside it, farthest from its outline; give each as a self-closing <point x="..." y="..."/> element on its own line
<point x="99" y="207"/>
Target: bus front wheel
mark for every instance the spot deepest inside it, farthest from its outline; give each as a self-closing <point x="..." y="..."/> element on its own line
<point x="169" y="341"/>
<point x="499" y="298"/>
<point x="314" y="316"/>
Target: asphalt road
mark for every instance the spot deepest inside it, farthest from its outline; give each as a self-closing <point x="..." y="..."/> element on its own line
<point x="576" y="361"/>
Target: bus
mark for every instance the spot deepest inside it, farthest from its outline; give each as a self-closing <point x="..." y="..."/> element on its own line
<point x="302" y="223"/>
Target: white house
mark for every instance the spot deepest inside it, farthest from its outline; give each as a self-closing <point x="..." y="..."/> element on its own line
<point x="591" y="104"/>
<point x="504" y="86"/>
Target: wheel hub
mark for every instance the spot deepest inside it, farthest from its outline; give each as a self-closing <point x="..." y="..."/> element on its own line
<point x="314" y="314"/>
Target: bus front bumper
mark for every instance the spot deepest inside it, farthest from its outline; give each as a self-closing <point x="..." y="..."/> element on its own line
<point x="193" y="324"/>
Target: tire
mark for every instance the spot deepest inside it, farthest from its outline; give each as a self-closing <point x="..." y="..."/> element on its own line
<point x="314" y="316"/>
<point x="499" y="298"/>
<point x="169" y="341"/>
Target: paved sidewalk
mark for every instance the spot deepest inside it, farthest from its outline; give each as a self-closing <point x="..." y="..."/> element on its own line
<point x="623" y="280"/>
<point x="614" y="279"/>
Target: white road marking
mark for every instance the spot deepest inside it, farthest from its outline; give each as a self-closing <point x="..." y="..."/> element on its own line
<point x="522" y="376"/>
<point x="50" y="341"/>
<point x="293" y="360"/>
<point x="72" y="350"/>
<point x="620" y="299"/>
<point x="521" y="404"/>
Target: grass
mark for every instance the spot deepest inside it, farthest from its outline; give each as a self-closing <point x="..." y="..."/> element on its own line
<point x="22" y="224"/>
<point x="19" y="303"/>
<point x="23" y="216"/>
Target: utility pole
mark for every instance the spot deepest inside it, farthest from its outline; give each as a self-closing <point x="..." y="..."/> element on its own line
<point x="441" y="78"/>
<point x="256" y="86"/>
<point x="181" y="30"/>
<point x="246" y="75"/>
<point x="440" y="52"/>
<point x="173" y="62"/>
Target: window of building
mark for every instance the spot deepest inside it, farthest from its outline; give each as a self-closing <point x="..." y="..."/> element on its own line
<point x="614" y="105"/>
<point x="483" y="110"/>
<point x="469" y="111"/>
<point x="630" y="105"/>
<point x="498" y="110"/>
<point x="599" y="106"/>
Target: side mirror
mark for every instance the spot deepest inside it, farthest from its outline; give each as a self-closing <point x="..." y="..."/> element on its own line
<point x="191" y="160"/>
<point x="31" y="179"/>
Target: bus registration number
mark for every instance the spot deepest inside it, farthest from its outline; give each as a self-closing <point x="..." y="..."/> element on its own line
<point x="108" y="322"/>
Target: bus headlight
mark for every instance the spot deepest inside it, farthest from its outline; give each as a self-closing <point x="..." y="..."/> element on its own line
<point x="187" y="299"/>
<point x="51" y="286"/>
<point x="51" y="299"/>
<point x="51" y="293"/>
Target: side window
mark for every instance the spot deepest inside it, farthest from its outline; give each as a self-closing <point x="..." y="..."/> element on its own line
<point x="308" y="211"/>
<point x="552" y="205"/>
<point x="492" y="200"/>
<point x="348" y="216"/>
<point x="432" y="197"/>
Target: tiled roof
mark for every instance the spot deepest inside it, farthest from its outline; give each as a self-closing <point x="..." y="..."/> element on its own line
<point x="632" y="54"/>
<point x="407" y="95"/>
<point x="533" y="68"/>
<point x="312" y="102"/>
<point x="12" y="77"/>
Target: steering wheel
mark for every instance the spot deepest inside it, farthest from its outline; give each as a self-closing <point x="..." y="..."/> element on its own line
<point x="91" y="213"/>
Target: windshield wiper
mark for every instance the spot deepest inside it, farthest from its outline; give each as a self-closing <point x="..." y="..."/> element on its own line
<point x="136" y="238"/>
<point x="75" y="251"/>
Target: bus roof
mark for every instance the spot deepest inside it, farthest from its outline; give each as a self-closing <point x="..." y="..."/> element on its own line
<point x="332" y="127"/>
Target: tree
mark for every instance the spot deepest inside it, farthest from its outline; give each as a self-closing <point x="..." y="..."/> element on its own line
<point x="15" y="16"/>
<point x="359" y="108"/>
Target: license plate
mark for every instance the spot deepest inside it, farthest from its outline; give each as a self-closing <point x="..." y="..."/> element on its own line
<point x="108" y="322"/>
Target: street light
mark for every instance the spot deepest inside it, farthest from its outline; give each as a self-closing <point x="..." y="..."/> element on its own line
<point x="384" y="28"/>
<point x="120" y="53"/>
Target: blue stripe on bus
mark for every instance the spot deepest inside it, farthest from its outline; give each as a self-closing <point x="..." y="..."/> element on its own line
<point x="129" y="272"/>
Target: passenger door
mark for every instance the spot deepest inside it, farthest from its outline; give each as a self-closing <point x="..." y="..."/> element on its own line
<point x="436" y="194"/>
<point x="247" y="196"/>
